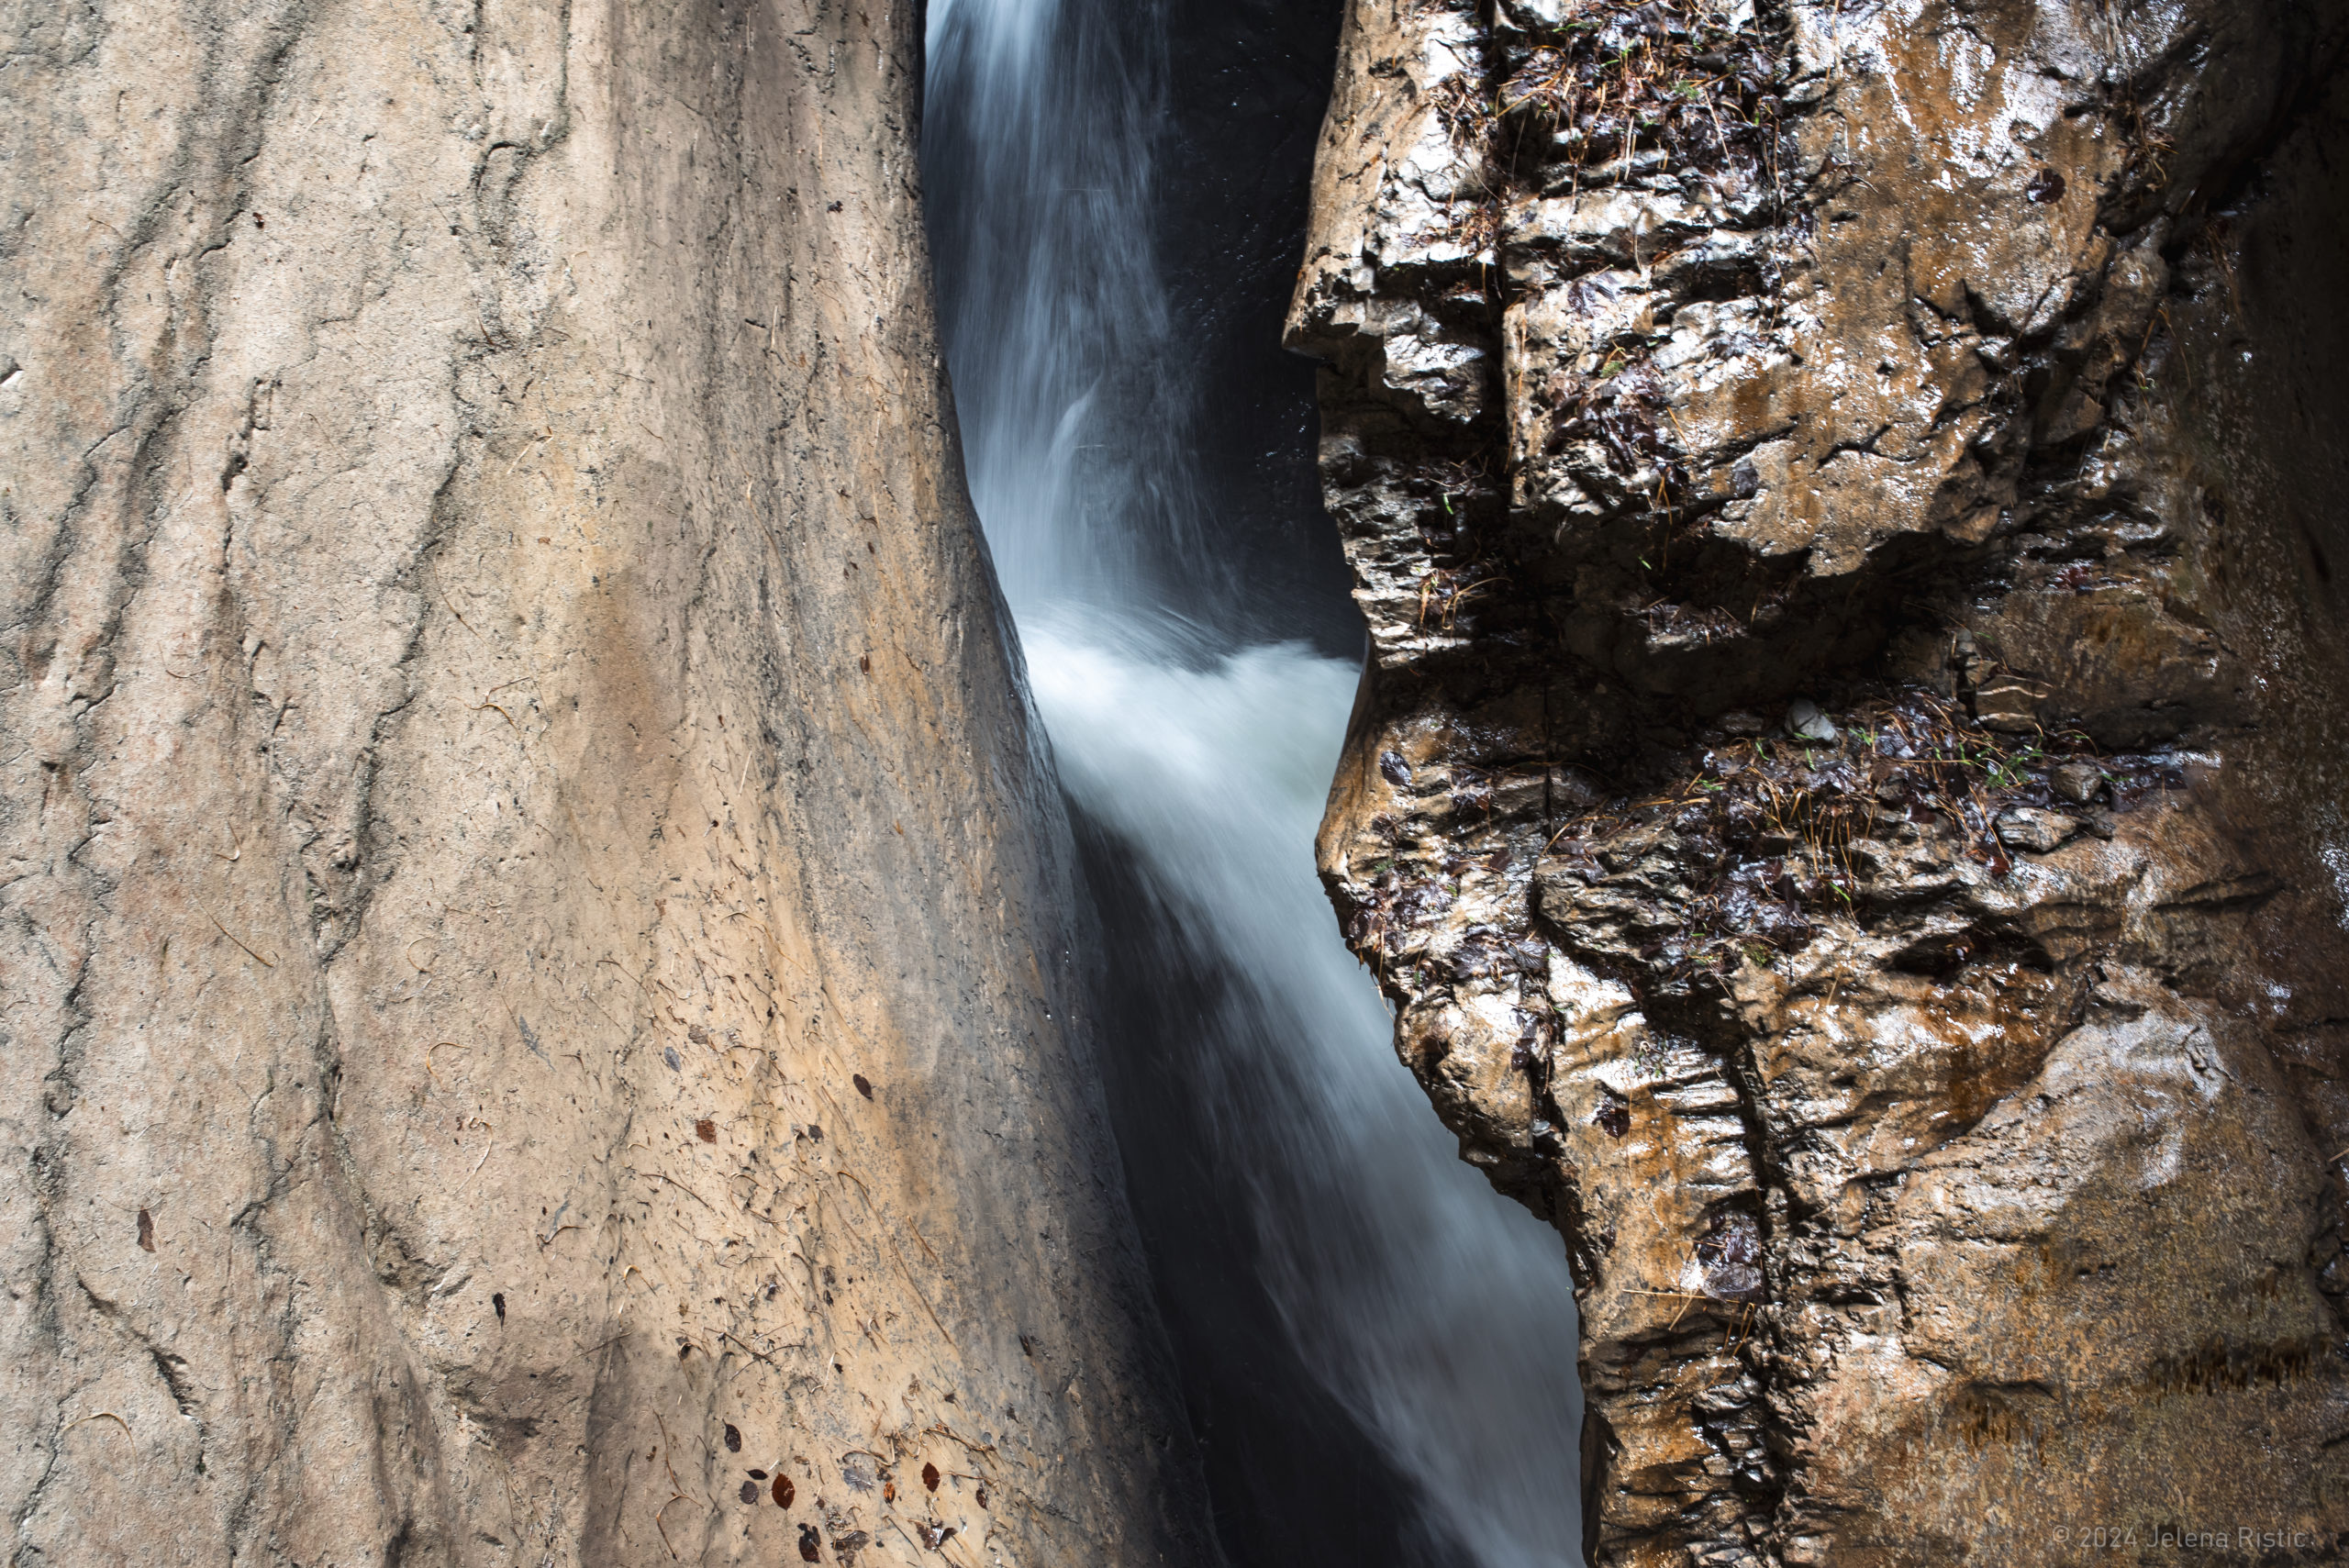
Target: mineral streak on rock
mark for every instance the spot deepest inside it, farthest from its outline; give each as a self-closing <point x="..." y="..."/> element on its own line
<point x="533" y="929"/>
<point x="1844" y="798"/>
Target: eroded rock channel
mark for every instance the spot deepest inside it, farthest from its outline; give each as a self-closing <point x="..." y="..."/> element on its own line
<point x="541" y="1001"/>
<point x="1844" y="798"/>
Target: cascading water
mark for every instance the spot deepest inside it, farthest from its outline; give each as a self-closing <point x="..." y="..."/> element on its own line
<point x="1379" y="1351"/>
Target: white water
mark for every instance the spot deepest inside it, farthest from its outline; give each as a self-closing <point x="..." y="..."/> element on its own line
<point x="1437" y="1313"/>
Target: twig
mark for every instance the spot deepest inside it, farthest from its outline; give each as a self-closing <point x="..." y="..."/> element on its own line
<point x="445" y="599"/>
<point x="911" y="1284"/>
<point x="1687" y="1298"/>
<point x="441" y="1045"/>
<point x="674" y="1498"/>
<point x="757" y="1354"/>
<point x="264" y="962"/>
<point x="667" y="1445"/>
<point x="941" y="1429"/>
<point x="681" y="1186"/>
<point x="615" y="964"/>
<point x="599" y="1350"/>
<point x="105" y="1416"/>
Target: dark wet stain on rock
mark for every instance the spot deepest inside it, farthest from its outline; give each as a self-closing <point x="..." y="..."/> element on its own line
<point x="1731" y="1253"/>
<point x="1613" y="1116"/>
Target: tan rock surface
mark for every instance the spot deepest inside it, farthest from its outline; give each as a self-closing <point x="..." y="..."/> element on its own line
<point x="1846" y="796"/>
<point x="535" y="996"/>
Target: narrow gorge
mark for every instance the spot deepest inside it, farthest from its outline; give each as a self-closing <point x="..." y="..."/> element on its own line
<point x="670" y="887"/>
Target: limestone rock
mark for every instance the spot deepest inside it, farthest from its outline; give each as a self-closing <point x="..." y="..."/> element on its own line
<point x="538" y="1022"/>
<point x="1954" y="381"/>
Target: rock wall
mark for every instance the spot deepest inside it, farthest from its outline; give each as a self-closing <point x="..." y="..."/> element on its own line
<point x="537" y="1001"/>
<point x="1846" y="792"/>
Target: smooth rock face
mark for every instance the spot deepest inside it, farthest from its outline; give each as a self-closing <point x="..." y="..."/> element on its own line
<point x="537" y="995"/>
<point x="1845" y="796"/>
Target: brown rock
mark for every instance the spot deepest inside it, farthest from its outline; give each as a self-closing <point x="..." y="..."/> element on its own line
<point x="1745" y="354"/>
<point x="2076" y="781"/>
<point x="2028" y="827"/>
<point x="2008" y="706"/>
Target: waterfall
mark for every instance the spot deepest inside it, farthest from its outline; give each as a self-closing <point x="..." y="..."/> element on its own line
<point x="1320" y="1246"/>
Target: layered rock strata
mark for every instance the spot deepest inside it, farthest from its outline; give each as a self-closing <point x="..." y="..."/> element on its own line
<point x="1846" y="794"/>
<point x="535" y="998"/>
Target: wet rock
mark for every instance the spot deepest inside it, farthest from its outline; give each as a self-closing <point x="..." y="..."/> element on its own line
<point x="2076" y="781"/>
<point x="1806" y="722"/>
<point x="2028" y="827"/>
<point x="2008" y="706"/>
<point x="1912" y="405"/>
<point x="1731" y="1252"/>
